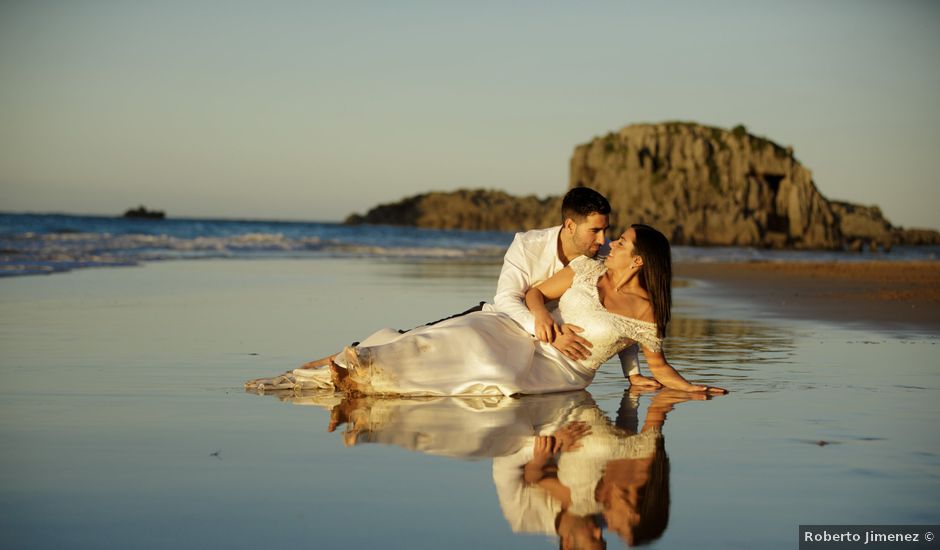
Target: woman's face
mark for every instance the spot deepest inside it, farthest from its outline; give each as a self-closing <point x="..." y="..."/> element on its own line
<point x="622" y="250"/>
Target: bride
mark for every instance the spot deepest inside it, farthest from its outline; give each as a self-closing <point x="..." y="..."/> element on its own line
<point x="619" y="301"/>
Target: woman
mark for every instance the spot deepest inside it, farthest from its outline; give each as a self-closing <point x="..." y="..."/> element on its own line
<point x="622" y="300"/>
<point x="632" y="290"/>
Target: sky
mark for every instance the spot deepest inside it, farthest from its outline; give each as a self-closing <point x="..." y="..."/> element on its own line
<point x="310" y="110"/>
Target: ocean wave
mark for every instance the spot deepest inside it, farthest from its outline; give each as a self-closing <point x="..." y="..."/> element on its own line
<point x="35" y="244"/>
<point x="35" y="254"/>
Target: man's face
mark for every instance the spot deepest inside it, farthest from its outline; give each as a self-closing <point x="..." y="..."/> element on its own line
<point x="589" y="235"/>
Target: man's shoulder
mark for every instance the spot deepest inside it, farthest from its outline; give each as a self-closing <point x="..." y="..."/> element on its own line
<point x="538" y="236"/>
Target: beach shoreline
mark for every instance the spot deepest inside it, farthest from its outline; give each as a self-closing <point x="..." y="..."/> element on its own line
<point x="879" y="295"/>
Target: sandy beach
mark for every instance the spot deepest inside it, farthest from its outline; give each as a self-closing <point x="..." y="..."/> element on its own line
<point x="895" y="295"/>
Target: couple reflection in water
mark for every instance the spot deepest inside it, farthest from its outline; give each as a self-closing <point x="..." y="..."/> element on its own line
<point x="561" y="467"/>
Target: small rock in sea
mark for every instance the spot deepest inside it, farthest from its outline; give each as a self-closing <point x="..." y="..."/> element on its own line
<point x="822" y="443"/>
<point x="142" y="213"/>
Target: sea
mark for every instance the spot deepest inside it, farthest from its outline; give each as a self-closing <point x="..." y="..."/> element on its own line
<point x="42" y="244"/>
<point x="125" y="423"/>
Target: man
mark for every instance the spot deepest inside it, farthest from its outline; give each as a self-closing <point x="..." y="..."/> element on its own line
<point x="536" y="255"/>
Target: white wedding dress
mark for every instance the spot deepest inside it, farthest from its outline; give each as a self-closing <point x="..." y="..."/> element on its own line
<point x="487" y="353"/>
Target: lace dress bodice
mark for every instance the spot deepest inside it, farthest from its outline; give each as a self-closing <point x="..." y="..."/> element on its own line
<point x="608" y="332"/>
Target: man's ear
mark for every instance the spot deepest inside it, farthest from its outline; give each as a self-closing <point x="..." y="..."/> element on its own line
<point x="570" y="224"/>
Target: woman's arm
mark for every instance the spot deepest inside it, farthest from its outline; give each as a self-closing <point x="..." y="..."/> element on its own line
<point x="551" y="289"/>
<point x="563" y="338"/>
<point x="663" y="372"/>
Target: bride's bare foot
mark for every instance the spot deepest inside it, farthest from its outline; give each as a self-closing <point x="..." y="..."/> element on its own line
<point x="640" y="381"/>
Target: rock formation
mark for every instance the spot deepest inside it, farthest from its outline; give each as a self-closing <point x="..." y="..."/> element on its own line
<point x="700" y="185"/>
<point x="476" y="209"/>
<point x="708" y="186"/>
<point x="142" y="213"/>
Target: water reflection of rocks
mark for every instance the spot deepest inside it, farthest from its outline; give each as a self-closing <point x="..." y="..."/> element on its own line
<point x="727" y="352"/>
<point x="561" y="467"/>
<point x="732" y="341"/>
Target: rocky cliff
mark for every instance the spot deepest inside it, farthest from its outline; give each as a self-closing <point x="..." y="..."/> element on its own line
<point x="476" y="209"/>
<point x="700" y="185"/>
<point x="708" y="186"/>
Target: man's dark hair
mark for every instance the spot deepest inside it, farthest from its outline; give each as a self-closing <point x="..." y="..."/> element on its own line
<point x="581" y="202"/>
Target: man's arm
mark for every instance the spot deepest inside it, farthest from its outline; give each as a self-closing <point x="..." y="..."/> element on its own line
<point x="630" y="365"/>
<point x="513" y="284"/>
<point x="630" y="360"/>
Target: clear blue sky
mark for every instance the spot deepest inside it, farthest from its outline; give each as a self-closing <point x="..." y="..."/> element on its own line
<point x="309" y="110"/>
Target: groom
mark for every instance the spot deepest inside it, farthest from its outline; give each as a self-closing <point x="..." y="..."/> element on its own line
<point x="536" y="255"/>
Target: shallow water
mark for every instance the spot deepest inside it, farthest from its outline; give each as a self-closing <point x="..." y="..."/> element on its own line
<point x="124" y="422"/>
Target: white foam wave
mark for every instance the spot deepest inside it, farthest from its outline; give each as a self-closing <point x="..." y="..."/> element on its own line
<point x="31" y="253"/>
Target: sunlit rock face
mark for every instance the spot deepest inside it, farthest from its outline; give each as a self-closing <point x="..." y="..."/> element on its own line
<point x="698" y="184"/>
<point x="702" y="185"/>
<point x="707" y="186"/>
<point x="473" y="209"/>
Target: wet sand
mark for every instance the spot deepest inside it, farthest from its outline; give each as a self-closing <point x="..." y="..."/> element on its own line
<point x="892" y="295"/>
<point x="124" y="419"/>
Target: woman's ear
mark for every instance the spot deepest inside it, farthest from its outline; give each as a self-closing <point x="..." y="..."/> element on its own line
<point x="638" y="261"/>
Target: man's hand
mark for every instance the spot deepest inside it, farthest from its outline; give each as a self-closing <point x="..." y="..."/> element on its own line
<point x="569" y="343"/>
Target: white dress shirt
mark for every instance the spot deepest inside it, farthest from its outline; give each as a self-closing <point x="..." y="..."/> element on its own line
<point x="531" y="259"/>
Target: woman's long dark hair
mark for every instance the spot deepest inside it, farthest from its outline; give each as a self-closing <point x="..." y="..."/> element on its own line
<point x="653" y="505"/>
<point x="656" y="274"/>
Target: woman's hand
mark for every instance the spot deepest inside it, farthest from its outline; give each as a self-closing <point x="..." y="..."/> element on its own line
<point x="670" y="378"/>
<point x="545" y="327"/>
<point x="675" y="383"/>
